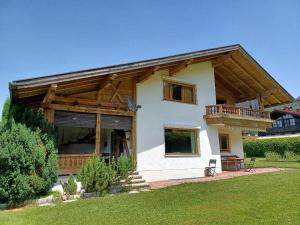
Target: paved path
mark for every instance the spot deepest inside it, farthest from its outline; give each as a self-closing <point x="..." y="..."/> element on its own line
<point x="221" y="176"/>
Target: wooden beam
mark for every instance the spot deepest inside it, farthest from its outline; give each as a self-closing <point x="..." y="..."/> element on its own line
<point x="250" y="91"/>
<point x="114" y="76"/>
<point x="50" y="94"/>
<point x="134" y="93"/>
<point x="228" y="84"/>
<point x="101" y="87"/>
<point x="98" y="135"/>
<point x="235" y="77"/>
<point x="147" y="74"/>
<point x="180" y="67"/>
<point x="133" y="140"/>
<point x="252" y="78"/>
<point x="49" y="115"/>
<point x="220" y="60"/>
<point x="90" y="110"/>
<point x="87" y="102"/>
<point x="116" y="93"/>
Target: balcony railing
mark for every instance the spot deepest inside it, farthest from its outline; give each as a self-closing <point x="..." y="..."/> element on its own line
<point x="212" y="110"/>
<point x="71" y="163"/>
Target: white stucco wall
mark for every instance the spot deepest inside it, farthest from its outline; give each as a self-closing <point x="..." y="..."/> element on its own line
<point x="157" y="113"/>
<point x="235" y="142"/>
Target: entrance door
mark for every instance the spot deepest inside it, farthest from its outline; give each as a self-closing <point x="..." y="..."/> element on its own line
<point x="115" y="136"/>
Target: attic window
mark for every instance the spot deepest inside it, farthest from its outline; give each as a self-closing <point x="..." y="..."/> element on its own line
<point x="179" y="92"/>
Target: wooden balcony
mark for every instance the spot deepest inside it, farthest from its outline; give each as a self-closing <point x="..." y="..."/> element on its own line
<point x="237" y="117"/>
<point x="71" y="163"/>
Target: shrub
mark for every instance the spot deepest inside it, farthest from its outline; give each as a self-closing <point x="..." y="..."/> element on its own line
<point x="258" y="147"/>
<point x="291" y="156"/>
<point x="27" y="165"/>
<point x="95" y="175"/>
<point x="28" y="154"/>
<point x="273" y="156"/>
<point x="124" y="166"/>
<point x="71" y="186"/>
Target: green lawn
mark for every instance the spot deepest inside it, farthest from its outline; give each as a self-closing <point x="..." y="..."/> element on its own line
<point x="272" y="198"/>
<point x="261" y="162"/>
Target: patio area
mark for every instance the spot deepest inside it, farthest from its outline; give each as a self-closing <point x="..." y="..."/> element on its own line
<point x="221" y="176"/>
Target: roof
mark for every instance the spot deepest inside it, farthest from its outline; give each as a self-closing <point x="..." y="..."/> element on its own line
<point x="293" y="105"/>
<point x="101" y="71"/>
<point x="250" y="77"/>
<point x="286" y="110"/>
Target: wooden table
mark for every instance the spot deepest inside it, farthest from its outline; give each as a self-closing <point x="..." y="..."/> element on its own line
<point x="234" y="161"/>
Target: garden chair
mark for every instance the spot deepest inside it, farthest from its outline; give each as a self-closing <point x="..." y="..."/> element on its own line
<point x="250" y="165"/>
<point x="211" y="169"/>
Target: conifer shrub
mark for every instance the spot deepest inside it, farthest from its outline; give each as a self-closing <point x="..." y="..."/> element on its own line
<point x="95" y="175"/>
<point x="26" y="170"/>
<point x="71" y="186"/>
<point x="28" y="154"/>
<point x="124" y="167"/>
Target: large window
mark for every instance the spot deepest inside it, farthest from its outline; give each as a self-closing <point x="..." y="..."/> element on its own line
<point x="76" y="140"/>
<point x="224" y="142"/>
<point x="181" y="141"/>
<point x="76" y="132"/>
<point x="176" y="91"/>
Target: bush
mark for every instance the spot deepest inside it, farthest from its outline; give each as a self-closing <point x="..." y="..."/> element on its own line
<point x="291" y="156"/>
<point x="95" y="175"/>
<point x="28" y="154"/>
<point x="28" y="168"/>
<point x="71" y="186"/>
<point x="273" y="156"/>
<point x="258" y="147"/>
<point x="124" y="167"/>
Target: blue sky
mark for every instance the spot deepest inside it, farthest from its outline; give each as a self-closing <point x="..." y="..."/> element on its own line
<point x="54" y="36"/>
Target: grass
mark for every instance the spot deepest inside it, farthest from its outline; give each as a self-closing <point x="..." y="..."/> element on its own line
<point x="262" y="162"/>
<point x="272" y="198"/>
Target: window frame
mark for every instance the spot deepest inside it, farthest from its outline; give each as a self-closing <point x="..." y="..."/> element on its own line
<point x="178" y="154"/>
<point x="183" y="86"/>
<point x="228" y="142"/>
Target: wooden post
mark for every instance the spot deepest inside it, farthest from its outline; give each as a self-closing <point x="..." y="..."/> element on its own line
<point x="49" y="115"/>
<point x="133" y="129"/>
<point x="98" y="135"/>
<point x="133" y="138"/>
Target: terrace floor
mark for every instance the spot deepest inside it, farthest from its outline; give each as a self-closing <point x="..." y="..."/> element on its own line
<point x="221" y="176"/>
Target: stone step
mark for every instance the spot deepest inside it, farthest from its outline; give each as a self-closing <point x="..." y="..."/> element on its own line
<point x="133" y="181"/>
<point x="135" y="173"/>
<point x="135" y="177"/>
<point x="137" y="186"/>
<point x="136" y="181"/>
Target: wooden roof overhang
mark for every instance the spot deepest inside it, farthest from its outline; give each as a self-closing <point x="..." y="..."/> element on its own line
<point x="235" y="70"/>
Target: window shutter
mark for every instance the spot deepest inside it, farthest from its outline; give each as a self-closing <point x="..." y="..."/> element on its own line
<point x="188" y="94"/>
<point x="167" y="91"/>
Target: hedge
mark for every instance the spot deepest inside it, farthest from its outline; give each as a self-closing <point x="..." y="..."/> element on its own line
<point x="258" y="147"/>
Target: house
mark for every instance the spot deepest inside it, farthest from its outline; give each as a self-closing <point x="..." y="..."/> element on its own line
<point x="173" y="114"/>
<point x="286" y="122"/>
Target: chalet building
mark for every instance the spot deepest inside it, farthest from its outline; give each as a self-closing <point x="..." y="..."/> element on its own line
<point x="173" y="114"/>
<point x="286" y="122"/>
